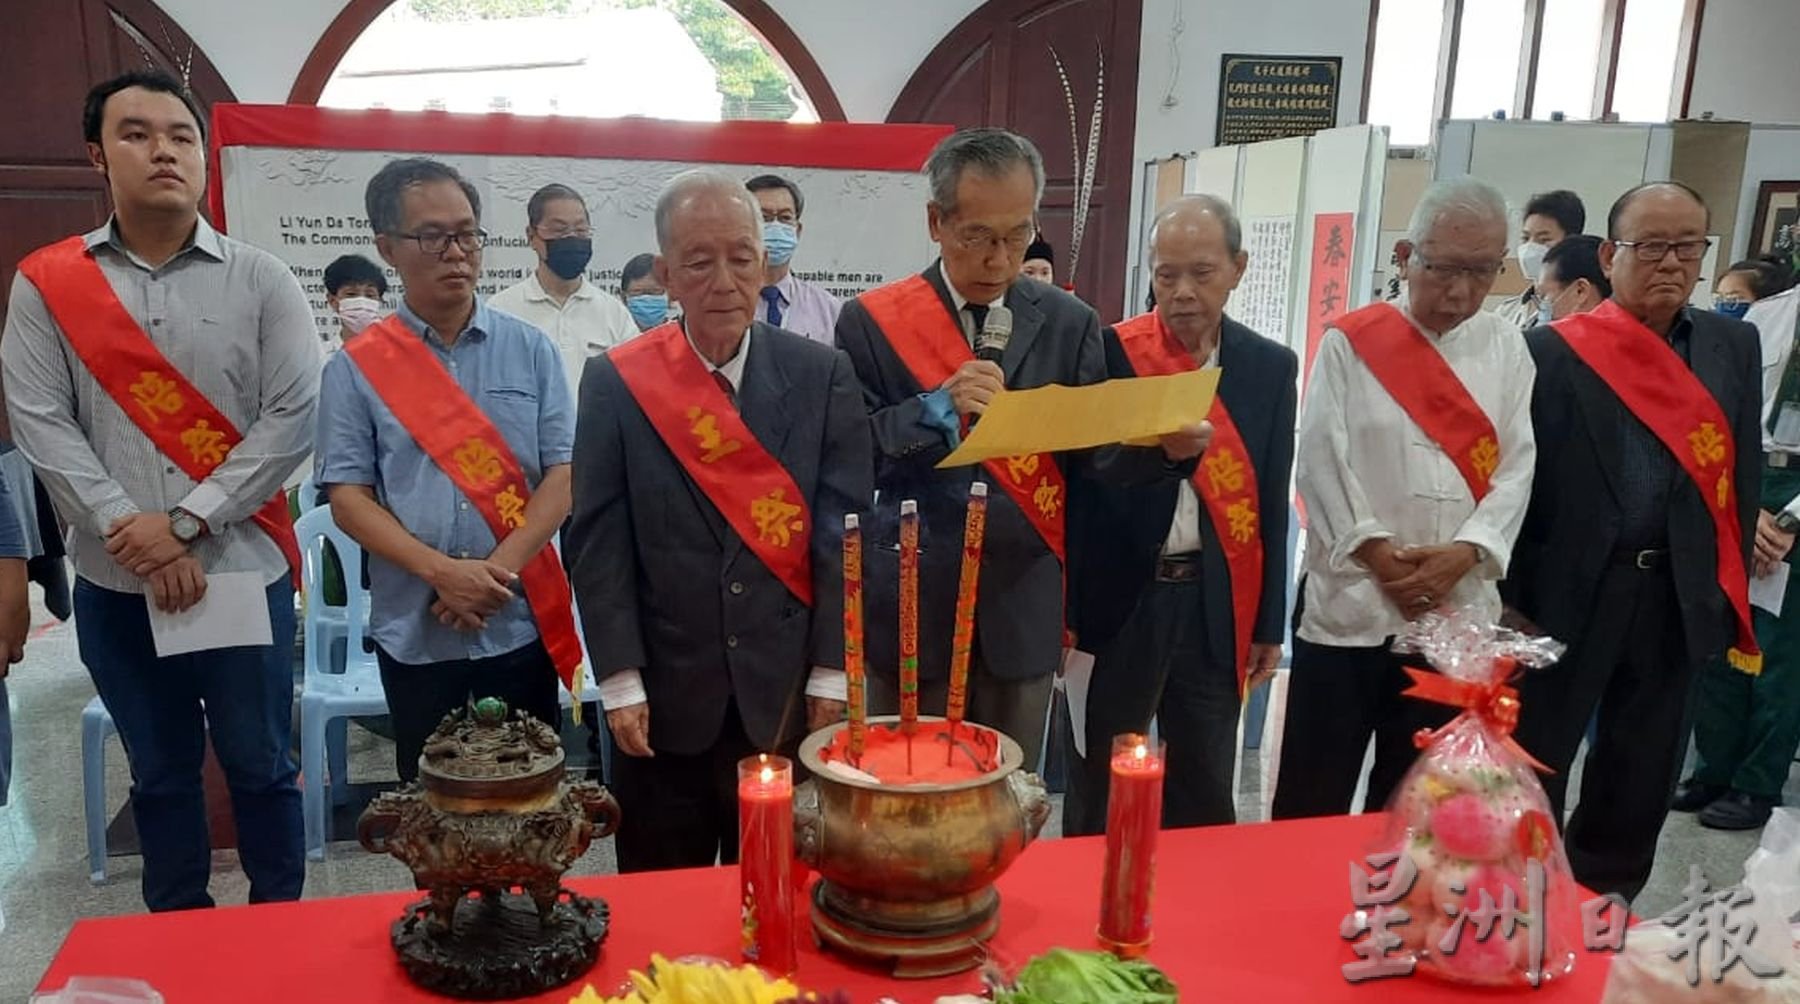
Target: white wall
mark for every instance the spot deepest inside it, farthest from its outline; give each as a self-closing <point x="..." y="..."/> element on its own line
<point x="258" y="45"/>
<point x="1773" y="155"/>
<point x="1749" y="62"/>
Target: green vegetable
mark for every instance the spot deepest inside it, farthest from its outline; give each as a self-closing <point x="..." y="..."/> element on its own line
<point x="1060" y="976"/>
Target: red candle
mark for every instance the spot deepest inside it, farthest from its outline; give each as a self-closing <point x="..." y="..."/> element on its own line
<point x="909" y="621"/>
<point x="854" y="673"/>
<point x="766" y="861"/>
<point x="1133" y="816"/>
<point x="962" y="638"/>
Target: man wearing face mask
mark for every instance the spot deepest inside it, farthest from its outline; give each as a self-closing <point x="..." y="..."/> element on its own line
<point x="354" y="289"/>
<point x="1572" y="281"/>
<point x="647" y="300"/>
<point x="1549" y="217"/>
<point x="578" y="316"/>
<point x="789" y="302"/>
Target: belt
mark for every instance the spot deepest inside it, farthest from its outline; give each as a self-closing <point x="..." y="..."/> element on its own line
<point x="1178" y="568"/>
<point x="1644" y="560"/>
<point x="1781" y="459"/>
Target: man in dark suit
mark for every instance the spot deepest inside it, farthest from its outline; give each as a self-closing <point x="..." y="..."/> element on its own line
<point x="1179" y="588"/>
<point x="1622" y="555"/>
<point x="715" y="460"/>
<point x="912" y="343"/>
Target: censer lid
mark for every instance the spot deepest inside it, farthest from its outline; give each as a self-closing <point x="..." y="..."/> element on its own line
<point x="486" y="750"/>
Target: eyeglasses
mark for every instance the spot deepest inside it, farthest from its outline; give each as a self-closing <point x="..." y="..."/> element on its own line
<point x="1450" y="273"/>
<point x="438" y="243"/>
<point x="1653" y="251"/>
<point x="983" y="239"/>
<point x="558" y="233"/>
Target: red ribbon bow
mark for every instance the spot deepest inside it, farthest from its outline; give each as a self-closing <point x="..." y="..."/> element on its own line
<point x="1494" y="702"/>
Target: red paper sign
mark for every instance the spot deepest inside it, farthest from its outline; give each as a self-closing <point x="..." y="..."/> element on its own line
<point x="1328" y="296"/>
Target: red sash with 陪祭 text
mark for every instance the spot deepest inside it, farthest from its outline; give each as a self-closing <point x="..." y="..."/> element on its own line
<point x="703" y="429"/>
<point x="1664" y="394"/>
<point x="164" y="405"/>
<point x="1416" y="376"/>
<point x="1225" y="479"/>
<point x="463" y="442"/>
<point x="930" y="342"/>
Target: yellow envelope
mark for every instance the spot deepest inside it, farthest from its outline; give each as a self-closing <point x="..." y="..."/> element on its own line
<point x="1048" y="419"/>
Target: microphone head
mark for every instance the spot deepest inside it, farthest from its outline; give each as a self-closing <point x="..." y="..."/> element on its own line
<point x="995" y="331"/>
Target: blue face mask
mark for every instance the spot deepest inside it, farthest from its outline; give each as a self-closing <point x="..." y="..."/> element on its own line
<point x="648" y="309"/>
<point x="780" y="239"/>
<point x="1735" y="309"/>
<point x="1545" y="314"/>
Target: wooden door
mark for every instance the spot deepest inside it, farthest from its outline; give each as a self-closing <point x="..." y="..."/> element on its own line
<point x="996" y="68"/>
<point x="51" y="52"/>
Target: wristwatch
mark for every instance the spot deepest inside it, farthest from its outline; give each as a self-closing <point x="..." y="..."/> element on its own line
<point x="186" y="526"/>
<point x="1786" y="521"/>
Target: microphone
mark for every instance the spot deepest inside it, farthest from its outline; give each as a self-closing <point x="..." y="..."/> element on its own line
<point x="996" y="331"/>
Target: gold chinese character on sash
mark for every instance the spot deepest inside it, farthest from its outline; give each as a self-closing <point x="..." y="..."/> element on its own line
<point x="204" y="443"/>
<point x="156" y="394"/>
<point x="1224" y="471"/>
<point x="1021" y="468"/>
<point x="478" y="461"/>
<point x="1048" y="498"/>
<point x="1484" y="456"/>
<point x="511" y="507"/>
<point x="1242" y="518"/>
<point x="1723" y="489"/>
<point x="776" y="518"/>
<point x="1708" y="444"/>
<point x="705" y="427"/>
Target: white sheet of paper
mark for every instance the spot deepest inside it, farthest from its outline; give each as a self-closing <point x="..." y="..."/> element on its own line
<point x="1770" y="590"/>
<point x="234" y="611"/>
<point x="1078" y="672"/>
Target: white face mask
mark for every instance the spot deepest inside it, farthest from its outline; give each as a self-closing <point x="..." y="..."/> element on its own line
<point x="1531" y="259"/>
<point x="358" y="312"/>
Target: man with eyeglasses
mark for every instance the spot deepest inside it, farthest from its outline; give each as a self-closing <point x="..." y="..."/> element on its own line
<point x="444" y="441"/>
<point x="1414" y="464"/>
<point x="582" y="319"/>
<point x="788" y="301"/>
<point x="1635" y="549"/>
<point x="930" y="358"/>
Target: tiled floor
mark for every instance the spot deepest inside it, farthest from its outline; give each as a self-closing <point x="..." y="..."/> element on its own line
<point x="44" y="883"/>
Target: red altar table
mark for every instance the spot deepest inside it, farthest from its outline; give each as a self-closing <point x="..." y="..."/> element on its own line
<point x="1243" y="913"/>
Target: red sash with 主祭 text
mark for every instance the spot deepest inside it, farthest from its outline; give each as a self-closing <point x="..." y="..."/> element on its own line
<point x="1416" y="376"/>
<point x="931" y="344"/>
<point x="1660" y="391"/>
<point x="1225" y="479"/>
<point x="702" y="427"/>
<point x="165" y="406"/>
<point x="463" y="442"/>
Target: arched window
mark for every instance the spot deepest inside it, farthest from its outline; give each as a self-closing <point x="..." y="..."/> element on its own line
<point x="1535" y="59"/>
<point x="697" y="60"/>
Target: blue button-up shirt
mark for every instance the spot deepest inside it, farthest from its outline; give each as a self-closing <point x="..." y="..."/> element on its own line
<point x="512" y="372"/>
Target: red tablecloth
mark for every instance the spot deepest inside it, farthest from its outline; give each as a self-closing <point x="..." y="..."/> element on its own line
<point x="1243" y="913"/>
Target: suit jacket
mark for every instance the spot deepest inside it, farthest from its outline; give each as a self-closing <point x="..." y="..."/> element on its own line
<point x="1117" y="532"/>
<point x="665" y="585"/>
<point x="1572" y="523"/>
<point x="1019" y="611"/>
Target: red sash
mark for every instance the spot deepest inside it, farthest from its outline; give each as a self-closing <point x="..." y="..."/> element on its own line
<point x="466" y="446"/>
<point x="1663" y="393"/>
<point x="702" y="428"/>
<point x="1416" y="376"/>
<point x="158" y="399"/>
<point x="1225" y="479"/>
<point x="931" y="344"/>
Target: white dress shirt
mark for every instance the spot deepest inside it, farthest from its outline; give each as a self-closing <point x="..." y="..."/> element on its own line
<point x="1184" y="530"/>
<point x="626" y="688"/>
<point x="588" y="323"/>
<point x="1365" y="471"/>
<point x="963" y="317"/>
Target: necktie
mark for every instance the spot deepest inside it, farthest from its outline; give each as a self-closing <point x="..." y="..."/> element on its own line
<point x="772" y="297"/>
<point x="725" y="385"/>
<point x="978" y="314"/>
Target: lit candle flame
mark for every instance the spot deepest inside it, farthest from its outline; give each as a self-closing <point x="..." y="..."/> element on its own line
<point x="768" y="774"/>
<point x="1141" y="751"/>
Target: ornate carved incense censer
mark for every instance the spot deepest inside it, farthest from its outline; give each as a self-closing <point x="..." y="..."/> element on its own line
<point x="908" y="867"/>
<point x="493" y="816"/>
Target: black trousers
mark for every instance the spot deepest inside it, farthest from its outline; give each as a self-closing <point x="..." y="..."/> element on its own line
<point x="1337" y="697"/>
<point x="1633" y="666"/>
<point x="419" y="696"/>
<point x="1160" y="666"/>
<point x="680" y="811"/>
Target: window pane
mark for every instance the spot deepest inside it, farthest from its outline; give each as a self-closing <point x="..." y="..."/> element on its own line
<point x="1487" y="59"/>
<point x="1568" y="58"/>
<point x="1647" y="60"/>
<point x="1404" y="79"/>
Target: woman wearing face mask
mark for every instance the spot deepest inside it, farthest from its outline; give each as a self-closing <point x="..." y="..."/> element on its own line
<point x="1549" y="218"/>
<point x="354" y="289"/>
<point x="642" y="294"/>
<point x="1572" y="281"/>
<point x="1748" y="281"/>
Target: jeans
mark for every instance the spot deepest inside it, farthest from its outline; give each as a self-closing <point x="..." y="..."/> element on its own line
<point x="164" y="709"/>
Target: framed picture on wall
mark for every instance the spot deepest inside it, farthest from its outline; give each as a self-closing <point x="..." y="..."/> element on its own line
<point x="1776" y="228"/>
